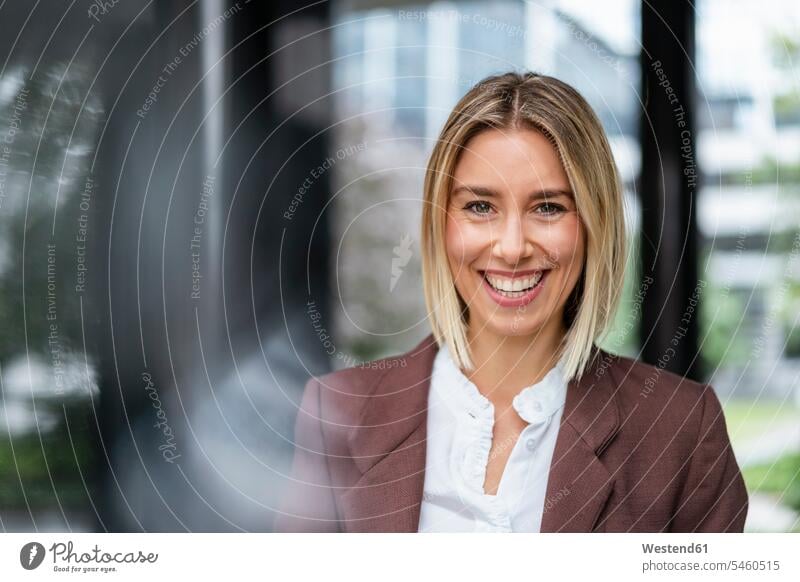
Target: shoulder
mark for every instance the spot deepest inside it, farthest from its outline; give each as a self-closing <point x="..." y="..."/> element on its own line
<point x="637" y="379"/>
<point x="342" y="394"/>
<point x="358" y="380"/>
<point x="656" y="400"/>
<point x="670" y="455"/>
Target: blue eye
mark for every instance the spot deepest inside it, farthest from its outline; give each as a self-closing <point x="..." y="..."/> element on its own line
<point x="554" y="208"/>
<point x="484" y="207"/>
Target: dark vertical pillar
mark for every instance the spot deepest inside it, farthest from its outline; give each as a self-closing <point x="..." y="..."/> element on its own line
<point x="668" y="189"/>
<point x="280" y="114"/>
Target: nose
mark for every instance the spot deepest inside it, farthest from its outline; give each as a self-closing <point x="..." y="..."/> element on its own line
<point x="511" y="242"/>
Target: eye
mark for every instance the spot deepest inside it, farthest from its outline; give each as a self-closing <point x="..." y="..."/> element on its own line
<point x="479" y="207"/>
<point x="550" y="209"/>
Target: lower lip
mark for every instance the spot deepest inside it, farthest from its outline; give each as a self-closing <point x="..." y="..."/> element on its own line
<point x="504" y="301"/>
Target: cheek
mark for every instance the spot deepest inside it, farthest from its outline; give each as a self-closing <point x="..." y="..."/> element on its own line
<point x="453" y="241"/>
<point x="463" y="243"/>
<point x="565" y="243"/>
<point x="454" y="247"/>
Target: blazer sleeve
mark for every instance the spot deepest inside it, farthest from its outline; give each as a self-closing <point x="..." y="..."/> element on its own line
<point x="307" y="504"/>
<point x="714" y="497"/>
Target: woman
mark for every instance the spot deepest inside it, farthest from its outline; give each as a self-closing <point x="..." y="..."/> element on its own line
<point x="508" y="417"/>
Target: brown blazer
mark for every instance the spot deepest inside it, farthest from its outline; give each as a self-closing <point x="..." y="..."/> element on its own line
<point x="639" y="449"/>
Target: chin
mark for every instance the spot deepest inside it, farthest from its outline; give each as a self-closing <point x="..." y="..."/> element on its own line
<point x="512" y="327"/>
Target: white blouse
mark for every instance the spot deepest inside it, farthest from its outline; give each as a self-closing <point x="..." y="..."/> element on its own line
<point x="460" y="423"/>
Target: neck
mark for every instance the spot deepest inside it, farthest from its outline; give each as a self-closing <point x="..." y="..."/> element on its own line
<point x="504" y="365"/>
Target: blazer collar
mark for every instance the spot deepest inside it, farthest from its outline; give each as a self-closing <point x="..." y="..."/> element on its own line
<point x="388" y="446"/>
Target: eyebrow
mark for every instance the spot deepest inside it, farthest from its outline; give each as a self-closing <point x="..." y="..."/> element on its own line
<point x="535" y="195"/>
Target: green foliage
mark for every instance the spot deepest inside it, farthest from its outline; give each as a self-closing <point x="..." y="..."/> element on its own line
<point x="28" y="465"/>
<point x="781" y="477"/>
<point x="785" y="49"/>
<point x="747" y="419"/>
<point x="721" y="314"/>
<point x="790" y="315"/>
<point x="768" y="172"/>
<point x="787" y="109"/>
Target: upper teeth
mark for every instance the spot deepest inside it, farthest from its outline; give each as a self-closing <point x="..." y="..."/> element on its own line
<point x="516" y="284"/>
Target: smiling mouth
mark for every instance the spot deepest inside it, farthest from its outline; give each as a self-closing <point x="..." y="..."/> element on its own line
<point x="513" y="288"/>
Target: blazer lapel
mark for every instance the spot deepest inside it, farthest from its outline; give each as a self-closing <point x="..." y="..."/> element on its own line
<point x="579" y="485"/>
<point x="388" y="446"/>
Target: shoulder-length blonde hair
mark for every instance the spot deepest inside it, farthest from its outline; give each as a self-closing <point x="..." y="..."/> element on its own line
<point x="545" y="104"/>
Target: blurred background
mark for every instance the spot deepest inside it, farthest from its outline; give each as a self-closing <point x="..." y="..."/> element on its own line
<point x="203" y="203"/>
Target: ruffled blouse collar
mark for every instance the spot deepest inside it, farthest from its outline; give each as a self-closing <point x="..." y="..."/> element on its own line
<point x="534" y="403"/>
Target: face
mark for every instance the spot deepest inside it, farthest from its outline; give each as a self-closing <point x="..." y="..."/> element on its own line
<point x="515" y="243"/>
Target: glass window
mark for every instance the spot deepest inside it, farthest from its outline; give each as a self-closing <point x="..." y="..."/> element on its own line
<point x="749" y="151"/>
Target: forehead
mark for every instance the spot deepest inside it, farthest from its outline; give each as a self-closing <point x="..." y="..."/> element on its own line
<point x="510" y="159"/>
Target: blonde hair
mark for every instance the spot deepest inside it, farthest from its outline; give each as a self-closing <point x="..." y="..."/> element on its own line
<point x="545" y="104"/>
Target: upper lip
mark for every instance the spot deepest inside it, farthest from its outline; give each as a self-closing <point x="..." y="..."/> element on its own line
<point x="511" y="274"/>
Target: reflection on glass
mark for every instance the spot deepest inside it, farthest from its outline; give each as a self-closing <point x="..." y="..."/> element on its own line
<point x="48" y="385"/>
